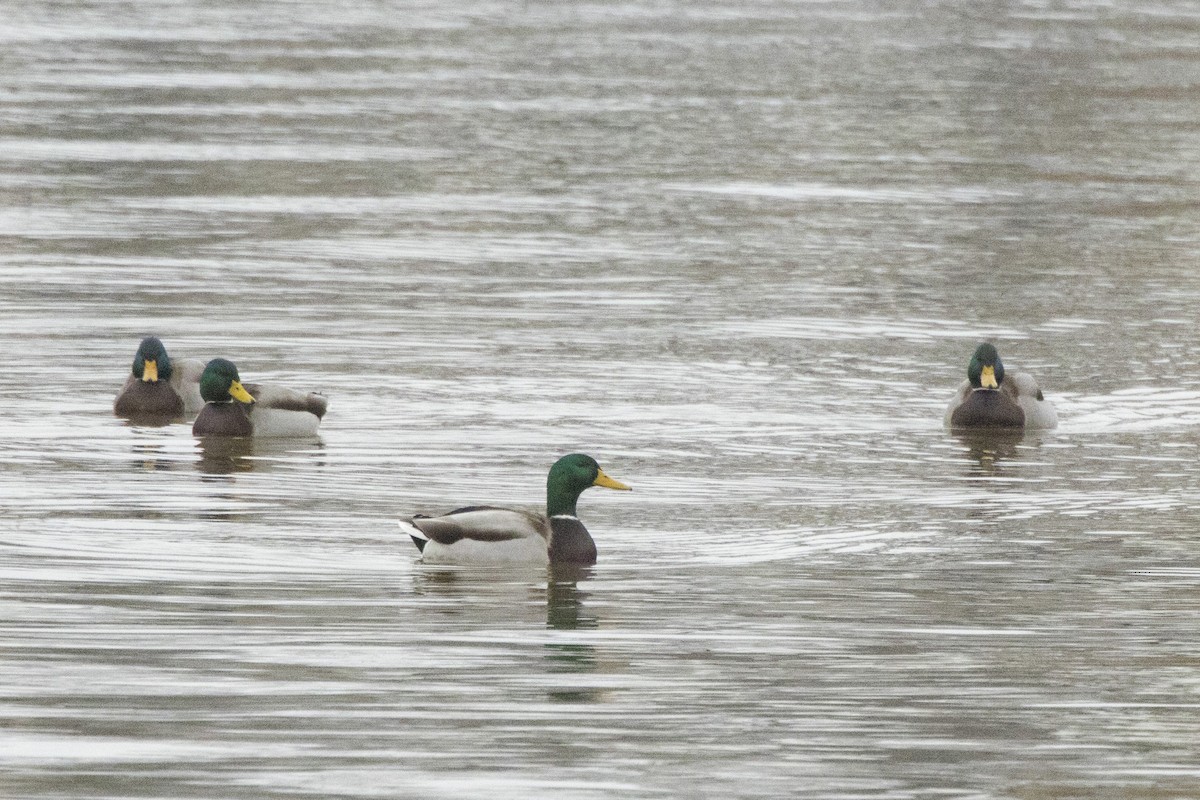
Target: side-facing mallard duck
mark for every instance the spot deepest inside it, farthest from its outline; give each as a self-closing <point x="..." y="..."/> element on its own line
<point x="991" y="399"/>
<point x="160" y="387"/>
<point x="233" y="409"/>
<point x="490" y="535"/>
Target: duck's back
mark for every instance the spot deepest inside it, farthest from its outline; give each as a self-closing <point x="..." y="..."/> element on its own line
<point x="481" y="535"/>
<point x="185" y="379"/>
<point x="282" y="412"/>
<point x="1039" y="412"/>
<point x="280" y="397"/>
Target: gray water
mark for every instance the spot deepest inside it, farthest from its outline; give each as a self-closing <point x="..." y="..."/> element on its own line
<point x="738" y="252"/>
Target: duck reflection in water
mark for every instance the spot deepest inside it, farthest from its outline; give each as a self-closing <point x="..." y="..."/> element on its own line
<point x="228" y="455"/>
<point x="988" y="447"/>
<point x="225" y="455"/>
<point x="492" y="593"/>
<point x="567" y="611"/>
<point x="152" y="456"/>
<point x="497" y="598"/>
<point x="146" y="420"/>
<point x="564" y="599"/>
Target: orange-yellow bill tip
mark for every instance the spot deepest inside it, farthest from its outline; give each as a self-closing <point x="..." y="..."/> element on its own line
<point x="150" y="371"/>
<point x="609" y="483"/>
<point x="987" y="378"/>
<point x="238" y="392"/>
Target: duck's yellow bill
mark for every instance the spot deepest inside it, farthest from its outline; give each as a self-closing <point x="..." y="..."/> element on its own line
<point x="609" y="483"/>
<point x="150" y="371"/>
<point x="238" y="392"/>
<point x="988" y="378"/>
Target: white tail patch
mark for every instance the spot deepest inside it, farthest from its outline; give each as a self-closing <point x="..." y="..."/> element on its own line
<point x="411" y="530"/>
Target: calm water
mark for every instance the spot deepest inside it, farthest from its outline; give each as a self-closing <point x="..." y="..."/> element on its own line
<point x="740" y="253"/>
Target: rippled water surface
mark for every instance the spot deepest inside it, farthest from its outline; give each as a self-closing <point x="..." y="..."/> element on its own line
<point x="738" y="252"/>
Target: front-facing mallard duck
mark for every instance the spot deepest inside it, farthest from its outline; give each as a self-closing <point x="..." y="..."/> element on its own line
<point x="159" y="386"/>
<point x="490" y="535"/>
<point x="233" y="409"/>
<point x="991" y="399"/>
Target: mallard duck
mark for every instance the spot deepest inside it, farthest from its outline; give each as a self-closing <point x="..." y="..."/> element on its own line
<point x="990" y="398"/>
<point x="258" y="411"/>
<point x="490" y="535"/>
<point x="160" y="387"/>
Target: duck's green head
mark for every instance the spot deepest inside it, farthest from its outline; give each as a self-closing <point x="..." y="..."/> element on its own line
<point x="220" y="383"/>
<point x="569" y="476"/>
<point x="986" y="370"/>
<point x="151" y="361"/>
